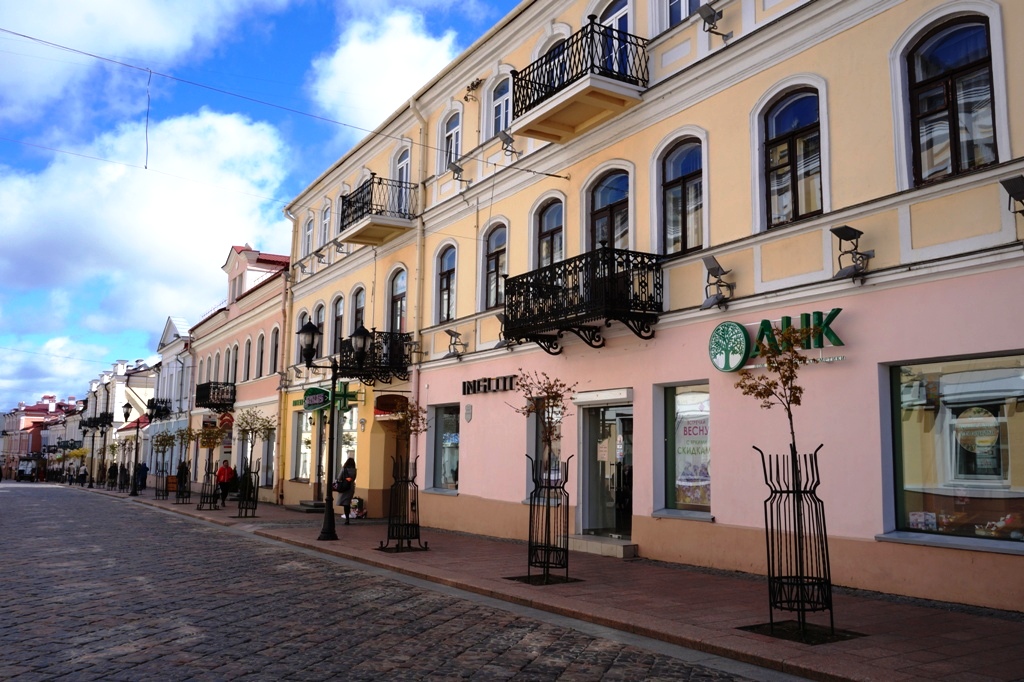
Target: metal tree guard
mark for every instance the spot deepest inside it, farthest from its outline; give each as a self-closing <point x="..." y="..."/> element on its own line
<point x="248" y="490"/>
<point x="548" y="545"/>
<point x="403" y="508"/>
<point x="208" y="497"/>
<point x="183" y="491"/>
<point x="799" y="578"/>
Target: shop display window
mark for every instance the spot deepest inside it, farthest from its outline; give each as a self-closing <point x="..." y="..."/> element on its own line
<point x="959" y="447"/>
<point x="688" y="448"/>
<point x="446" y="447"/>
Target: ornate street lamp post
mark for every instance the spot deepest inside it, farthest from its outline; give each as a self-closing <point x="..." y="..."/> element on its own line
<point x="308" y="335"/>
<point x="134" y="492"/>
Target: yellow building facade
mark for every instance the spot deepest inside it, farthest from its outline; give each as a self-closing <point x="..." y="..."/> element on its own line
<point x="593" y="188"/>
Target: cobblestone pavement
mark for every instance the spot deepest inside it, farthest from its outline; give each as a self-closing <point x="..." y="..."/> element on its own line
<point x="93" y="587"/>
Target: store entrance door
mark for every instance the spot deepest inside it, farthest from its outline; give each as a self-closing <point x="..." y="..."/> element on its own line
<point x="609" y="471"/>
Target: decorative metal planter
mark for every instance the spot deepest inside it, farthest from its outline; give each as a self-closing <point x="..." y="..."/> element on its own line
<point x="799" y="577"/>
<point x="183" y="491"/>
<point x="209" y="497"/>
<point x="248" y="490"/>
<point x="403" y="508"/>
<point x="548" y="545"/>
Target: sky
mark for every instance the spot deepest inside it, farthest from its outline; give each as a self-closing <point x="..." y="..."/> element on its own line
<point x="141" y="139"/>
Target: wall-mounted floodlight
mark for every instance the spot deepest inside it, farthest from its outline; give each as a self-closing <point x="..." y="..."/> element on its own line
<point x="456" y="170"/>
<point x="297" y="372"/>
<point x="456" y="346"/>
<point x="723" y="289"/>
<point x="339" y="247"/>
<point x="502" y="341"/>
<point x="1015" y="190"/>
<point x="321" y="257"/>
<point x="711" y="17"/>
<point x="507" y="142"/>
<point x="302" y="268"/>
<point x="858" y="259"/>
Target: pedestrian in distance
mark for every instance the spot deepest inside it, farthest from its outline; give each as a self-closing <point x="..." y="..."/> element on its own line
<point x="83" y="473"/>
<point x="346" y="487"/>
<point x="225" y="475"/>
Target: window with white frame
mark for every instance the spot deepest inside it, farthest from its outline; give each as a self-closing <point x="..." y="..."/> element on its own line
<point x="306" y="246"/>
<point x="678" y="10"/>
<point x="338" y="325"/>
<point x="452" y="148"/>
<point x="951" y="97"/>
<point x="792" y="158"/>
<point x="446" y="285"/>
<point x="260" y="342"/>
<point x="318" y="317"/>
<point x="495" y="268"/>
<point x="682" y="192"/>
<point x="501" y="106"/>
<point x="399" y="301"/>
<point x="275" y="349"/>
<point x="549" y="234"/>
<point x="325" y="224"/>
<point x="609" y="213"/>
<point x="359" y="309"/>
<point x="247" y="362"/>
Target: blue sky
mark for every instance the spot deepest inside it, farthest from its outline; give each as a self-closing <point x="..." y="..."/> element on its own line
<point x="110" y="176"/>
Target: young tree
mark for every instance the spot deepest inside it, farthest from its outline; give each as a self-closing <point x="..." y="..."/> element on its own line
<point x="252" y="425"/>
<point x="779" y="385"/>
<point x="548" y="399"/>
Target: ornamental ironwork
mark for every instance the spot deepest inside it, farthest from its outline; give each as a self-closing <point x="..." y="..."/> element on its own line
<point x="593" y="50"/>
<point x="599" y="286"/>
<point x="217" y="396"/>
<point x="159" y="408"/>
<point x="387" y="356"/>
<point x="378" y="196"/>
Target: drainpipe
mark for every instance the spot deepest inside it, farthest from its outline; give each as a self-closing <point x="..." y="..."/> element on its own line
<point x="287" y="304"/>
<point x="421" y="231"/>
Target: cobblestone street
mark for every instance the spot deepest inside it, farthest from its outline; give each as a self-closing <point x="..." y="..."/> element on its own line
<point x="96" y="587"/>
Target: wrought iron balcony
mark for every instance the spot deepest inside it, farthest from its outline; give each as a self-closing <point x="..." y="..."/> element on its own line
<point x="105" y="419"/>
<point x="600" y="286"/>
<point x="596" y="74"/>
<point x="217" y="396"/>
<point x="159" y="408"/>
<point x="377" y="211"/>
<point x="387" y="356"/>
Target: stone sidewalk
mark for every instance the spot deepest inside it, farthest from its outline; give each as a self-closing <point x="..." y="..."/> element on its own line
<point x="902" y="639"/>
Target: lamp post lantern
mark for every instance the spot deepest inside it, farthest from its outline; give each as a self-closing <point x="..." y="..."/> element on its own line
<point x="308" y="335"/>
<point x="134" y="491"/>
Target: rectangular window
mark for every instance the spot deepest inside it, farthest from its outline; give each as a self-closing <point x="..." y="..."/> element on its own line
<point x="959" y="447"/>
<point x="688" y="448"/>
<point x="446" y="447"/>
<point x="303" y="447"/>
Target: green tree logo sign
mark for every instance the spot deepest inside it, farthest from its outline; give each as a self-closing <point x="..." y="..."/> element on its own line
<point x="729" y="347"/>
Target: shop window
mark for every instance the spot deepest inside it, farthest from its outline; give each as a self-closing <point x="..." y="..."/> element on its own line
<point x="688" y="448"/>
<point x="959" y="447"/>
<point x="551" y="466"/>
<point x="951" y="101"/>
<point x="446" y="447"/>
<point x="303" y="446"/>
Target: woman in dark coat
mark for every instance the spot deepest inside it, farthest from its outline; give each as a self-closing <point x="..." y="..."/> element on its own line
<point x="346" y="486"/>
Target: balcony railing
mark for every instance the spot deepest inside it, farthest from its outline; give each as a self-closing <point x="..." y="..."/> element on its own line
<point x="160" y="408"/>
<point x="570" y="296"/>
<point x="216" y="395"/>
<point x="388" y="356"/>
<point x="593" y="50"/>
<point x="378" y="197"/>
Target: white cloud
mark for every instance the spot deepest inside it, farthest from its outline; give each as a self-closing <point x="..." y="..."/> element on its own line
<point x="377" y="65"/>
<point x="145" y="244"/>
<point x="140" y="31"/>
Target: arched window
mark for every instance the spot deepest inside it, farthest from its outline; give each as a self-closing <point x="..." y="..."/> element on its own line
<point x="792" y="158"/>
<point x="681" y="9"/>
<point x="303" y="319"/>
<point x="555" y="66"/>
<point x="234" y="365"/>
<point x="682" y="192"/>
<point x="549" y="234"/>
<point x="501" y="106"/>
<point x="318" y="319"/>
<point x="402" y="176"/>
<point x="199" y="374"/>
<point x="247" y="361"/>
<point x="398" y="301"/>
<point x="259" y="355"/>
<point x="952" y="122"/>
<point x="306" y="246"/>
<point x="337" y="324"/>
<point x="452" y="147"/>
<point x="609" y="213"/>
<point x="446" y="285"/>
<point x="325" y="224"/>
<point x="494" y="268"/>
<point x="216" y="367"/>
<point x="275" y="349"/>
<point x="359" y="309"/>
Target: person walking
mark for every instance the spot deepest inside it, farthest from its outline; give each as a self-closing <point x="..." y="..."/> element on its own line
<point x="225" y="474"/>
<point x="346" y="487"/>
<point x="83" y="474"/>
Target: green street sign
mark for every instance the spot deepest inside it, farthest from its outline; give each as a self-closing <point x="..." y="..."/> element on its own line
<point x="315" y="399"/>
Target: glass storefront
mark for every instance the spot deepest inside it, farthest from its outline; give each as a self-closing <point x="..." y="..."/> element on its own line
<point x="959" y="447"/>
<point x="688" y="448"/>
<point x="609" y="467"/>
<point x="446" y="447"/>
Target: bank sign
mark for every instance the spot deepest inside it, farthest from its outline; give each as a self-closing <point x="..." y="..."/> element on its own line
<point x="730" y="347"/>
